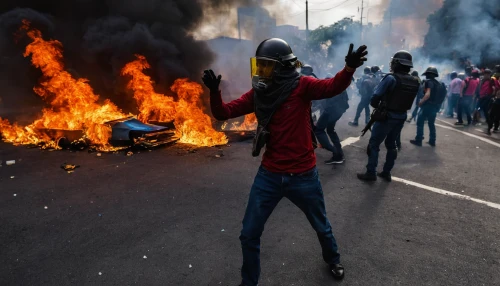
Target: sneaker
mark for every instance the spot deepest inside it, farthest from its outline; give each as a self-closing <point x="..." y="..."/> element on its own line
<point x="335" y="160"/>
<point x="386" y="176"/>
<point x="488" y="132"/>
<point x="459" y="123"/>
<point x="352" y="123"/>
<point x="432" y="144"/>
<point x="367" y="177"/>
<point x="409" y="120"/>
<point x="417" y="143"/>
<point x="337" y="271"/>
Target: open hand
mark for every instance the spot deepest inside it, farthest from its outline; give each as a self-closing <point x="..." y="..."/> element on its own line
<point x="211" y="81"/>
<point x="356" y="59"/>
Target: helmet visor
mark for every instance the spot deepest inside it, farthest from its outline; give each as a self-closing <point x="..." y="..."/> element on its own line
<point x="263" y="68"/>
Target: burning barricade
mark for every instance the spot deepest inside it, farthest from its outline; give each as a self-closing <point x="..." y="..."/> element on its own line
<point x="76" y="118"/>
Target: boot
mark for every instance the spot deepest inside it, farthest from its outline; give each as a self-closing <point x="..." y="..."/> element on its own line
<point x="353" y="123"/>
<point x="386" y="176"/>
<point x="417" y="143"/>
<point x="337" y="271"/>
<point x="367" y="177"/>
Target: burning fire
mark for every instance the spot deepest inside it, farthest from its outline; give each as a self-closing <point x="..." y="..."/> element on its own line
<point x="192" y="125"/>
<point x="249" y="123"/>
<point x="73" y="104"/>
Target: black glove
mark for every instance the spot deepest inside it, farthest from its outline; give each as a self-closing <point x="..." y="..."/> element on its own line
<point x="356" y="59"/>
<point x="211" y="81"/>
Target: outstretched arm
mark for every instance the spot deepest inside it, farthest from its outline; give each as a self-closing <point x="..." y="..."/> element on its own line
<point x="320" y="89"/>
<point x="220" y="110"/>
<point x="236" y="108"/>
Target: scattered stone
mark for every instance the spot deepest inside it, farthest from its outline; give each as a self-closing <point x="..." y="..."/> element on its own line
<point x="130" y="153"/>
<point x="10" y="162"/>
<point x="45" y="207"/>
<point x="15" y="195"/>
<point x="100" y="273"/>
<point x="145" y="257"/>
<point x="12" y="177"/>
<point x="99" y="155"/>
<point x="190" y="266"/>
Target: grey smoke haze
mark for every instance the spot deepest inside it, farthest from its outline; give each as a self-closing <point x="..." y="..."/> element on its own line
<point x="465" y="29"/>
<point x="100" y="36"/>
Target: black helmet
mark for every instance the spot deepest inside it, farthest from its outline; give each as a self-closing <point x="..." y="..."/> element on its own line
<point x="375" y="69"/>
<point x="497" y="68"/>
<point x="414" y="73"/>
<point x="367" y="70"/>
<point x="306" y="70"/>
<point x="431" y="71"/>
<point x="453" y="75"/>
<point x="403" y="58"/>
<point x="277" y="50"/>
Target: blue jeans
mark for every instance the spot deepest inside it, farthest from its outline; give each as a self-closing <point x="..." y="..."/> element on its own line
<point x="304" y="190"/>
<point x="387" y="130"/>
<point x="363" y="104"/>
<point x="464" y="104"/>
<point x="429" y="113"/>
<point x="327" y="121"/>
<point x="452" y="103"/>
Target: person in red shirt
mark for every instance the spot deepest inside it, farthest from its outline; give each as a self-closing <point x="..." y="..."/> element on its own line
<point x="487" y="90"/>
<point x="281" y="100"/>
<point x="469" y="87"/>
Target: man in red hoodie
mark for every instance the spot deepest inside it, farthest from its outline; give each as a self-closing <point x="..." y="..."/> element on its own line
<point x="281" y="100"/>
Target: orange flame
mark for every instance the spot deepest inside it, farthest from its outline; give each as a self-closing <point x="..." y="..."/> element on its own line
<point x="249" y="123"/>
<point x="73" y="104"/>
<point x="192" y="125"/>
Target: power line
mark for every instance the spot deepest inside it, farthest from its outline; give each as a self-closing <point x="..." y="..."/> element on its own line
<point x="327" y="9"/>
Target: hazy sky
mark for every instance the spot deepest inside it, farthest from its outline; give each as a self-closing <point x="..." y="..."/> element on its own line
<point x="327" y="12"/>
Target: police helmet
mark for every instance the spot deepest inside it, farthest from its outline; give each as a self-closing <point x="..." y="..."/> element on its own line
<point x="367" y="70"/>
<point x="375" y="69"/>
<point x="414" y="73"/>
<point x="403" y="58"/>
<point x="431" y="71"/>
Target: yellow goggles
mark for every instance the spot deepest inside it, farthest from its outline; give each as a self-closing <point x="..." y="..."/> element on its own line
<point x="263" y="68"/>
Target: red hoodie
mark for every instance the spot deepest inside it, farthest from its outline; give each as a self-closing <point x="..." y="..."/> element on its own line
<point x="290" y="148"/>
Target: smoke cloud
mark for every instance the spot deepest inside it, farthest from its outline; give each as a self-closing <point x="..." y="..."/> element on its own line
<point x="465" y="31"/>
<point x="101" y="36"/>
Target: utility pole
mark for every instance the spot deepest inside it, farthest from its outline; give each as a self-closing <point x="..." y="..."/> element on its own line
<point x="307" y="20"/>
<point x="362" y="7"/>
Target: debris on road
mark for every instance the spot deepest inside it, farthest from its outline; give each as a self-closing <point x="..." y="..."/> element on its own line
<point x="190" y="266"/>
<point x="130" y="153"/>
<point x="98" y="154"/>
<point x="45" y="207"/>
<point x="222" y="230"/>
<point x="10" y="162"/>
<point x="100" y="273"/>
<point x="145" y="257"/>
<point x="15" y="195"/>
<point x="69" y="167"/>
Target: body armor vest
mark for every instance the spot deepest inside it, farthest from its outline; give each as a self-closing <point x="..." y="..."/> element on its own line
<point x="404" y="93"/>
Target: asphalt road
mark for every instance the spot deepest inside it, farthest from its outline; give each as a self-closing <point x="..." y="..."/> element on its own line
<point x="172" y="217"/>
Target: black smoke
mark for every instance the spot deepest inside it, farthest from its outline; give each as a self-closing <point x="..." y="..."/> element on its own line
<point x="101" y="36"/>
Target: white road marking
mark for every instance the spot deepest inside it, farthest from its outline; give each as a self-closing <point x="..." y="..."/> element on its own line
<point x="446" y="193"/>
<point x="470" y="135"/>
<point x="445" y="122"/>
<point x="349" y="141"/>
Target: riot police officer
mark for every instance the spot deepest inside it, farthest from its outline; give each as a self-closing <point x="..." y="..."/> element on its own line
<point x="392" y="98"/>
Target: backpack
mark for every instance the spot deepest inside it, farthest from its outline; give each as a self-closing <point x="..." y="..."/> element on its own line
<point x="438" y="93"/>
<point x="368" y="86"/>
